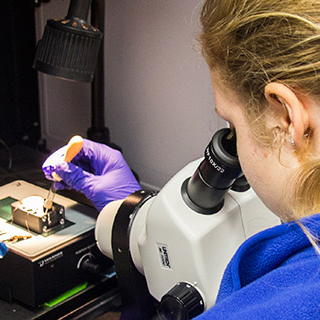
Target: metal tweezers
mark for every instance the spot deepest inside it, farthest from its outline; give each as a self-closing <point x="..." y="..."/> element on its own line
<point x="17" y="238"/>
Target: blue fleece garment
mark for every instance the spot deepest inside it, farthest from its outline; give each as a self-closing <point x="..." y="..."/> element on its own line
<point x="274" y="275"/>
<point x="3" y="250"/>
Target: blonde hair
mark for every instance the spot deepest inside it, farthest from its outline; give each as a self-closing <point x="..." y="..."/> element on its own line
<point x="254" y="42"/>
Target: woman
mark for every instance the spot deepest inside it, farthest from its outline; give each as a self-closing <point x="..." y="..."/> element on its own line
<point x="265" y="62"/>
<point x="264" y="57"/>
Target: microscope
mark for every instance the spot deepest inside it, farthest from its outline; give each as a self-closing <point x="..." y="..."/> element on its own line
<point x="170" y="248"/>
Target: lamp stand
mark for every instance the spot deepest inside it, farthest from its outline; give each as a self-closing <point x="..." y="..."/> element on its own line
<point x="98" y="131"/>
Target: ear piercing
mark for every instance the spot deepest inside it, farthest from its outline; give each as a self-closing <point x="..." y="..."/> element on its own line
<point x="291" y="140"/>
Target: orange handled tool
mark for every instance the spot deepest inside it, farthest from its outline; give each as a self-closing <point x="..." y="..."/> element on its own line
<point x="73" y="148"/>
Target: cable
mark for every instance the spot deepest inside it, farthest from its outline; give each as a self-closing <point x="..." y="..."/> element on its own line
<point x="9" y="153"/>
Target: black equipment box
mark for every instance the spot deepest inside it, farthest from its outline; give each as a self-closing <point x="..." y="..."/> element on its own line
<point x="44" y="266"/>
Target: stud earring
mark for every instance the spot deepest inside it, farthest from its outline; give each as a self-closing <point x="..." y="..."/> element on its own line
<point x="291" y="140"/>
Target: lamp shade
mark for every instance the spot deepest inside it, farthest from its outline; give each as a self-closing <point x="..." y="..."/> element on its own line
<point x="70" y="46"/>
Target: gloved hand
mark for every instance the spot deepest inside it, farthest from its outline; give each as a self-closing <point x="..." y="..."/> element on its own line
<point x="98" y="171"/>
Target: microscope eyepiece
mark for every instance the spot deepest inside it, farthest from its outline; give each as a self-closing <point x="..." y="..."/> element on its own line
<point x="204" y="192"/>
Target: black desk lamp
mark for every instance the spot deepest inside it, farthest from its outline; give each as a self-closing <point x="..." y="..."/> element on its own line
<point x="70" y="49"/>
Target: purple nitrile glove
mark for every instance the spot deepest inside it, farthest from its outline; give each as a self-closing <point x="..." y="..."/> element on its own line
<point x="98" y="171"/>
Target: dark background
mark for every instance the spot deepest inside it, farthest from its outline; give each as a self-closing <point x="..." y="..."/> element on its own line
<point x="19" y="105"/>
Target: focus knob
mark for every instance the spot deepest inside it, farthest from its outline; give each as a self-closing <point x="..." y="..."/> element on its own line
<point x="88" y="265"/>
<point x="182" y="302"/>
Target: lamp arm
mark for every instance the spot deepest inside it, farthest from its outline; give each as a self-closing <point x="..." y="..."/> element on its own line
<point x="79" y="9"/>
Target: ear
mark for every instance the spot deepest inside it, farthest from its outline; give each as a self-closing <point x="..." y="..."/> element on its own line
<point x="295" y="119"/>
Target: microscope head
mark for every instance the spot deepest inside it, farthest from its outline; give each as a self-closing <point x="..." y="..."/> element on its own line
<point x="180" y="240"/>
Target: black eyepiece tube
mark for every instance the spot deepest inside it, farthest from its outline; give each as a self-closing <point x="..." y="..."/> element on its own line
<point x="204" y="192"/>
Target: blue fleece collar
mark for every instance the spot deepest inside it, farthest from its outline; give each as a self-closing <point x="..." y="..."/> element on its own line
<point x="266" y="251"/>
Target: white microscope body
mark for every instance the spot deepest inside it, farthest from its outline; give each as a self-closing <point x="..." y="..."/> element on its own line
<point x="171" y="243"/>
